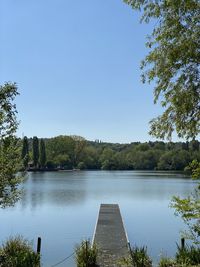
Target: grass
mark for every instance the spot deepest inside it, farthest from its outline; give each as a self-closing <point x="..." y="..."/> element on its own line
<point x="188" y="256"/>
<point x="86" y="255"/>
<point x="18" y="252"/>
<point x="138" y="258"/>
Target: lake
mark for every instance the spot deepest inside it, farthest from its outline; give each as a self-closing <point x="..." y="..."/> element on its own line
<point x="62" y="208"/>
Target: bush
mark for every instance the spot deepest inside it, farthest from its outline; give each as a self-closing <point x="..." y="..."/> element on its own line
<point x="17" y="252"/>
<point x="86" y="255"/>
<point x="81" y="165"/>
<point x="167" y="262"/>
<point x="185" y="257"/>
<point x="189" y="255"/>
<point x="138" y="258"/>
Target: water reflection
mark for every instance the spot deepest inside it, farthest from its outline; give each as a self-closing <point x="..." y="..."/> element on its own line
<point x="62" y="189"/>
<point x="72" y="188"/>
<point x="56" y="189"/>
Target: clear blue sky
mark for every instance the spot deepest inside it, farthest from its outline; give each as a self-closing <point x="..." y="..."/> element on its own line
<point x="77" y="66"/>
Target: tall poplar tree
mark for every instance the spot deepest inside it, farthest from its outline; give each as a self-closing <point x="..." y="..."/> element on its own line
<point x="35" y="151"/>
<point x="25" y="152"/>
<point x="42" y="153"/>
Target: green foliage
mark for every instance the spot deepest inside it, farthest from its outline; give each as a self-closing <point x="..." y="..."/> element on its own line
<point x="35" y="151"/>
<point x="187" y="256"/>
<point x="167" y="262"/>
<point x="86" y="255"/>
<point x="91" y="157"/>
<point x="17" y="252"/>
<point x="60" y="150"/>
<point x="173" y="64"/>
<point x="81" y="165"/>
<point x="25" y="152"/>
<point x="42" y="155"/>
<point x="194" y="166"/>
<point x="80" y="144"/>
<point x="138" y="258"/>
<point x="10" y="154"/>
<point x="68" y="152"/>
<point x="174" y="160"/>
<point x="8" y="119"/>
<point x="189" y="210"/>
<point x="107" y="159"/>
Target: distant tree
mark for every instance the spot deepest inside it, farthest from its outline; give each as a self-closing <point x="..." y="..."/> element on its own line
<point x="35" y="151"/>
<point x="143" y="147"/>
<point x="195" y="145"/>
<point x="60" y="146"/>
<point x="63" y="161"/>
<point x="91" y="157"/>
<point x="174" y="160"/>
<point x="121" y="162"/>
<point x="173" y="64"/>
<point x="42" y="155"/>
<point x="145" y="160"/>
<point x="171" y="145"/>
<point x="10" y="158"/>
<point x="80" y="144"/>
<point x="185" y="146"/>
<point x="107" y="159"/>
<point x="25" y="152"/>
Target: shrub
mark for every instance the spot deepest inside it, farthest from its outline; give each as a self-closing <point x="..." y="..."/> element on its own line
<point x="138" y="258"/>
<point x="17" y="252"/>
<point x="167" y="262"/>
<point x="189" y="255"/>
<point x="86" y="255"/>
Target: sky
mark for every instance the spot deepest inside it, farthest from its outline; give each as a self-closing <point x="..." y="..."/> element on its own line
<point x="77" y="67"/>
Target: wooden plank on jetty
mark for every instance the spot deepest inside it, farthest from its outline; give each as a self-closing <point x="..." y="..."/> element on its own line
<point x="110" y="236"/>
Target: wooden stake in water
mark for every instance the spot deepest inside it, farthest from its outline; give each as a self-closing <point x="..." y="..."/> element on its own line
<point x="39" y="245"/>
<point x="182" y="243"/>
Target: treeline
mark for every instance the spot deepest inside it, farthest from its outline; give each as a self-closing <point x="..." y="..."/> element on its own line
<point x="74" y="152"/>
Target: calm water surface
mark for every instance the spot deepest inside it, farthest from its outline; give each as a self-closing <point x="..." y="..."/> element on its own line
<point x="62" y="208"/>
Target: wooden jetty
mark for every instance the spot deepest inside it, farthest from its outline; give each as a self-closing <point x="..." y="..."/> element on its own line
<point x="110" y="236"/>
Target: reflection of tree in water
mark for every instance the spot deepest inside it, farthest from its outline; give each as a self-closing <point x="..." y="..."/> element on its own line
<point x="59" y="189"/>
<point x="66" y="197"/>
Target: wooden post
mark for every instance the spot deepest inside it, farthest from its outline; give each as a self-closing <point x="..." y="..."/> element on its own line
<point x="130" y="250"/>
<point x="182" y="243"/>
<point x="86" y="252"/>
<point x="39" y="245"/>
<point x="129" y="246"/>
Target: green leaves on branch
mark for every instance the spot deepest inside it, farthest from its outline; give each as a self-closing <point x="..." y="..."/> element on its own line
<point x="86" y="254"/>
<point x="10" y="163"/>
<point x="18" y="252"/>
<point x="8" y="120"/>
<point x="173" y="64"/>
<point x="194" y="166"/>
<point x="189" y="210"/>
<point x="10" y="153"/>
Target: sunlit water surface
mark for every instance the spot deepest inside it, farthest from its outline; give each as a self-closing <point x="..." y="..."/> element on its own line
<point x="62" y="208"/>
